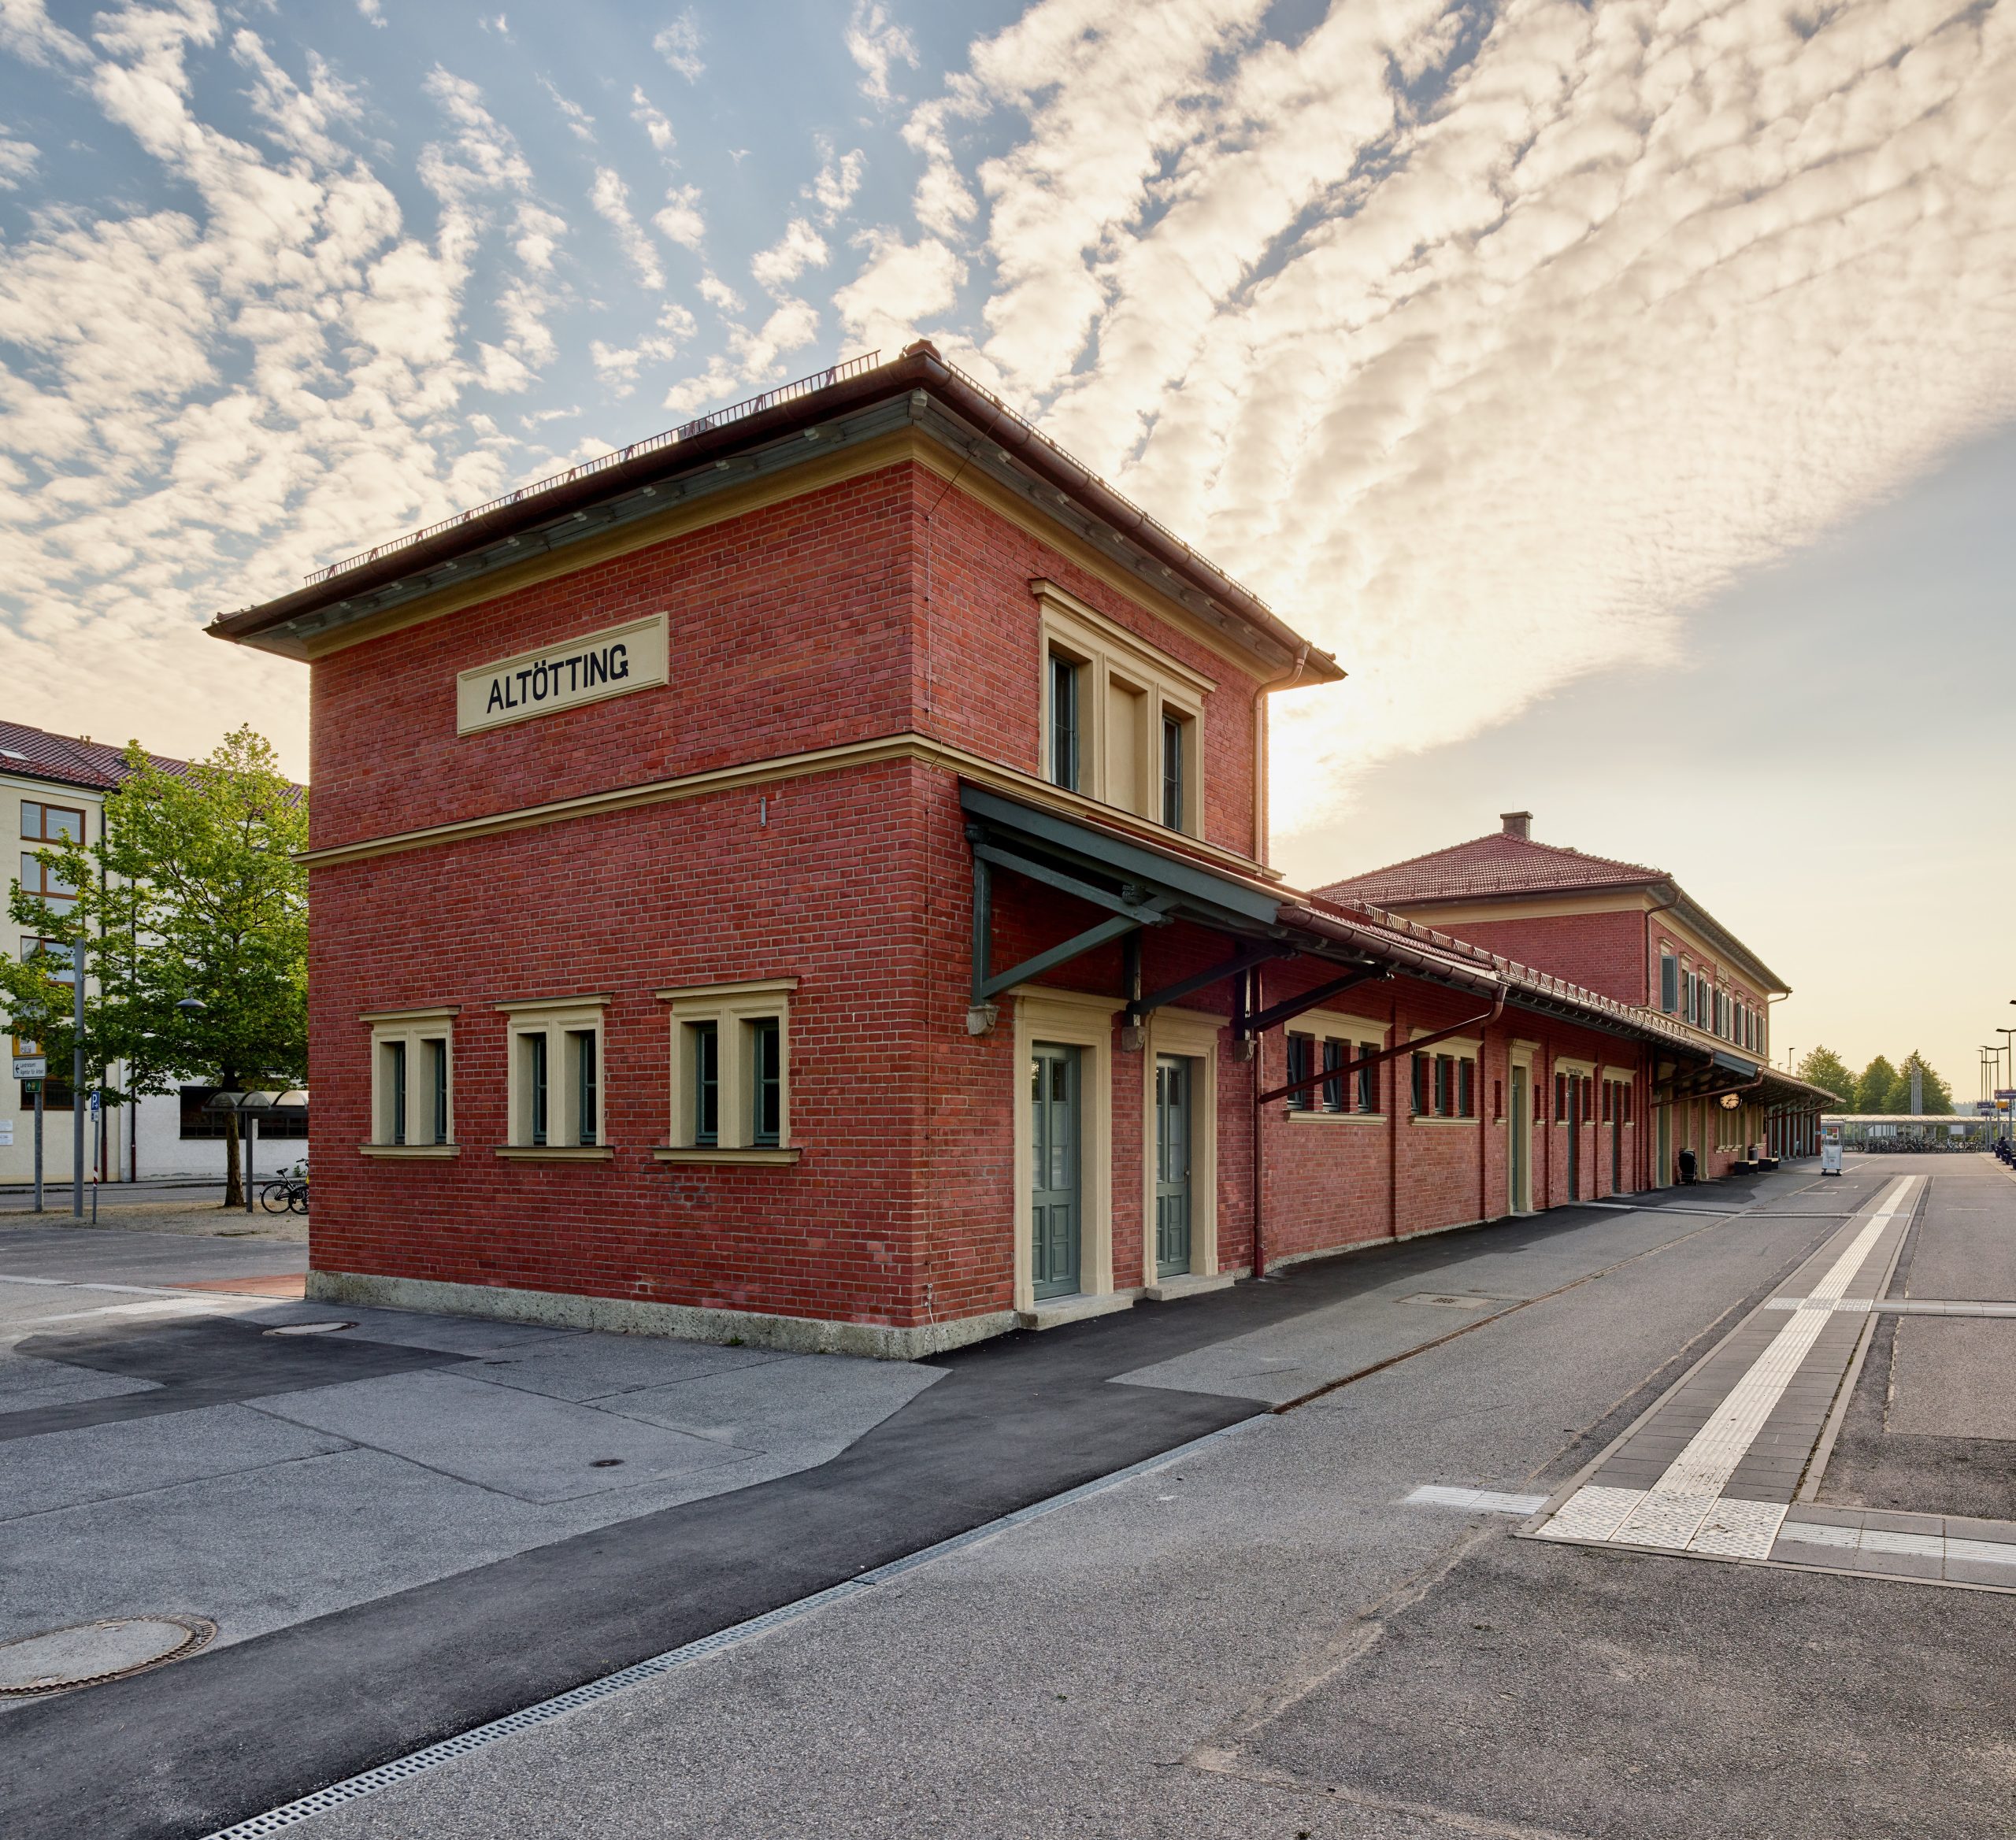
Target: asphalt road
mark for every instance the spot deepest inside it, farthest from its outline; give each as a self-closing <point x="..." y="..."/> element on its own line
<point x="1262" y="1637"/>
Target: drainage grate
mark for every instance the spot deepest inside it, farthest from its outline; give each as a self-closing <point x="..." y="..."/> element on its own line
<point x="1457" y="1300"/>
<point x="418" y="1763"/>
<point x="58" y="1661"/>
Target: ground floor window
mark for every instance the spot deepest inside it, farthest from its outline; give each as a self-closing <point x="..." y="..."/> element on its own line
<point x="730" y="1073"/>
<point x="412" y="1083"/>
<point x="554" y="1100"/>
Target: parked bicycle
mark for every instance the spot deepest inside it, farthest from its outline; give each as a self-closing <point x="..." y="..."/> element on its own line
<point x="288" y="1192"/>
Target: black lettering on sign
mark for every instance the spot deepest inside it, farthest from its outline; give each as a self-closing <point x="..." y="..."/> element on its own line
<point x="496" y="697"/>
<point x="619" y="650"/>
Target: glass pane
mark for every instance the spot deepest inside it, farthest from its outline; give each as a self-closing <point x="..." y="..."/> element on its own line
<point x="706" y="1083"/>
<point x="395" y="1103"/>
<point x="766" y="1096"/>
<point x="58" y="824"/>
<point x="584" y="1097"/>
<point x="1064" y="723"/>
<point x="438" y="1072"/>
<point x="535" y="1083"/>
<point x="30" y="820"/>
<point x="1172" y="773"/>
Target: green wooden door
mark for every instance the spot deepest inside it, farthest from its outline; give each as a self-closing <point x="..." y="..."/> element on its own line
<point x="1574" y="1137"/>
<point x="1521" y="1146"/>
<point x="1055" y="1163"/>
<point x="1173" y="1103"/>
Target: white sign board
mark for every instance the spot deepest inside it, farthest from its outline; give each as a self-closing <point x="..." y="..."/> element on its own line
<point x="6" y="1133"/>
<point x="585" y="670"/>
<point x="31" y="1067"/>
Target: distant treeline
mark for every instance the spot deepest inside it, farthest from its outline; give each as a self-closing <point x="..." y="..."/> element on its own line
<point x="1879" y="1086"/>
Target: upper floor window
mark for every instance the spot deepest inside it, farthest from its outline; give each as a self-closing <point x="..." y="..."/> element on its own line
<point x="46" y="826"/>
<point x="1122" y="721"/>
<point x="1668" y="982"/>
<point x="1064" y="675"/>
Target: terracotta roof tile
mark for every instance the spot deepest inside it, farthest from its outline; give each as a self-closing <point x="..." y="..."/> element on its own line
<point x="69" y="760"/>
<point x="1494" y="864"/>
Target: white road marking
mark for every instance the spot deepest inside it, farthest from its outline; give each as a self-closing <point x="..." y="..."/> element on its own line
<point x="1685" y="1508"/>
<point x="1477" y="1500"/>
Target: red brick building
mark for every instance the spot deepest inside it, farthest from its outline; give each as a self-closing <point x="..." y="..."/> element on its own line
<point x="803" y="878"/>
<point x="1632" y="933"/>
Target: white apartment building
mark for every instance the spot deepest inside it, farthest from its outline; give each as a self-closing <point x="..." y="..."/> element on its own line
<point x="53" y="789"/>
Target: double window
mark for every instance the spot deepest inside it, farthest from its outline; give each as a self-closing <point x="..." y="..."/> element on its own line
<point x="554" y="1058"/>
<point x="413" y="1081"/>
<point x="1121" y="719"/>
<point x="730" y="1072"/>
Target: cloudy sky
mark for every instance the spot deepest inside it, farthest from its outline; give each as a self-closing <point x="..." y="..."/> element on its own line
<point x="1624" y="391"/>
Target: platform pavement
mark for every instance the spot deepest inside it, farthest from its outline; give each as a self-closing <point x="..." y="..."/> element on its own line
<point x="1270" y="1636"/>
<point x="389" y="1662"/>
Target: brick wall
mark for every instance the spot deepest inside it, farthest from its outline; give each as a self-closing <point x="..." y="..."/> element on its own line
<point x="1603" y="952"/>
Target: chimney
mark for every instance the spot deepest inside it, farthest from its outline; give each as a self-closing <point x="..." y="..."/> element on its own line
<point x="1518" y="824"/>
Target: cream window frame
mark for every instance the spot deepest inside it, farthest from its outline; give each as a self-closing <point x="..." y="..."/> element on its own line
<point x="557" y="1018"/>
<point x="1074" y="1019"/>
<point x="1355" y="1032"/>
<point x="1109" y="659"/>
<point x="414" y="1029"/>
<point x="1457" y="1048"/>
<point x="732" y="1007"/>
<point x="1190" y="1034"/>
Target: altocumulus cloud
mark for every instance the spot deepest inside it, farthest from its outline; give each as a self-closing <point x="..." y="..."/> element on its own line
<point x="1484" y="346"/>
<point x="1485" y="343"/>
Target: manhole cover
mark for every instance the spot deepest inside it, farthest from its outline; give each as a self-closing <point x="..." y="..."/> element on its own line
<point x="1455" y="1300"/>
<point x="310" y="1328"/>
<point x="92" y="1652"/>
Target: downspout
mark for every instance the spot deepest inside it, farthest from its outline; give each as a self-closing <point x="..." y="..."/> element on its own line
<point x="1393" y="1127"/>
<point x="1650" y="1148"/>
<point x="1260" y="840"/>
<point x="1253" y="1006"/>
<point x="1261" y="837"/>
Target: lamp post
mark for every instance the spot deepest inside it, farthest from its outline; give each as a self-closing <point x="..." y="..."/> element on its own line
<point x="2009" y="1048"/>
<point x="77" y="1079"/>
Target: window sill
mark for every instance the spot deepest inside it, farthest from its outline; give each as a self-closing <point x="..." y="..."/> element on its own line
<point x="1468" y="1124"/>
<point x="557" y="1152"/>
<point x="1336" y="1117"/>
<point x="760" y="1155"/>
<point x="395" y="1153"/>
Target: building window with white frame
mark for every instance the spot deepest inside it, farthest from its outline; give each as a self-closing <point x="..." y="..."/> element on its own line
<point x="555" y="1095"/>
<point x="730" y="1072"/>
<point x="412" y="1081"/>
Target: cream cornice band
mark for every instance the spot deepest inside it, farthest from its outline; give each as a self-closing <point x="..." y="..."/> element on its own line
<point x="908" y="746"/>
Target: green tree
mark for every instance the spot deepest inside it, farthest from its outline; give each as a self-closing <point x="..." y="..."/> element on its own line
<point x="1935" y="1095"/>
<point x="1823" y="1068"/>
<point x="1873" y="1087"/>
<point x="191" y="892"/>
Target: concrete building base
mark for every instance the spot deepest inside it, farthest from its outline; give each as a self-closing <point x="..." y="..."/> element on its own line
<point x="624" y="1315"/>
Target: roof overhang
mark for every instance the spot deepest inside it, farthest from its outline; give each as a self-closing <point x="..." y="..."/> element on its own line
<point x="846" y="408"/>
